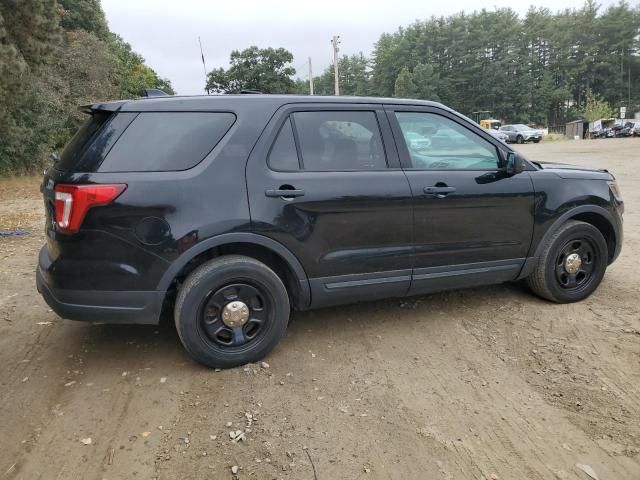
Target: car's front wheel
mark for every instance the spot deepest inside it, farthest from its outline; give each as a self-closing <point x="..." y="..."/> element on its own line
<point x="230" y="311"/>
<point x="520" y="139"/>
<point x="572" y="264"/>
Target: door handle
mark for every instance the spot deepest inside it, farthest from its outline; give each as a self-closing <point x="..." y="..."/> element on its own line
<point x="439" y="192"/>
<point x="284" y="192"/>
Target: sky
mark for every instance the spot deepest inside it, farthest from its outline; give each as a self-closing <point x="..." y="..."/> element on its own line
<point x="166" y="32"/>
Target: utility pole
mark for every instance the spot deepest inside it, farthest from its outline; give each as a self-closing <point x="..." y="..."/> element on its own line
<point x="335" y="41"/>
<point x="310" y="78"/>
<point x="204" y="66"/>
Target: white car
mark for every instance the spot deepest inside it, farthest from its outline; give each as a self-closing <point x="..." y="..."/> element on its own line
<point x="503" y="137"/>
<point x="417" y="141"/>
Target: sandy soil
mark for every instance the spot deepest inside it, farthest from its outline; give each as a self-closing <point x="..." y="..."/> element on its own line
<point x="488" y="383"/>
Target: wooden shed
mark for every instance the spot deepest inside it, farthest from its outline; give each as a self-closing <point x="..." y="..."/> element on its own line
<point x="577" y="129"/>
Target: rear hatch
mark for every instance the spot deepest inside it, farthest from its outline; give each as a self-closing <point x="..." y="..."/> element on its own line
<point x="84" y="153"/>
<point x="115" y="143"/>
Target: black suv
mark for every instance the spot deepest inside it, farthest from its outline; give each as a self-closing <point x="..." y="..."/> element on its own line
<point x="229" y="211"/>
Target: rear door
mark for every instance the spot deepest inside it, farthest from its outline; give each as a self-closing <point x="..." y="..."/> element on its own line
<point x="324" y="180"/>
<point x="472" y="221"/>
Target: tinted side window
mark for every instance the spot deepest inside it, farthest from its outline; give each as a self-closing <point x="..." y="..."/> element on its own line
<point x="334" y="141"/>
<point x="438" y="143"/>
<point x="283" y="155"/>
<point x="104" y="141"/>
<point x="73" y="151"/>
<point x="167" y="141"/>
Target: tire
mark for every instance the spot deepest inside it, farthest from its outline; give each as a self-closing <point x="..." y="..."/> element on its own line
<point x="520" y="139"/>
<point x="208" y="294"/>
<point x="552" y="280"/>
<point x="536" y="141"/>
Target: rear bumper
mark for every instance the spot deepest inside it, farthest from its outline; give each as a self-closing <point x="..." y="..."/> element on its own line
<point x="135" y="307"/>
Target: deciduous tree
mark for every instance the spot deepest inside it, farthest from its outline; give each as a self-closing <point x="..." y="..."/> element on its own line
<point x="265" y="69"/>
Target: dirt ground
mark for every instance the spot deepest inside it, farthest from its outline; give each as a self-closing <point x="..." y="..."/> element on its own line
<point x="487" y="383"/>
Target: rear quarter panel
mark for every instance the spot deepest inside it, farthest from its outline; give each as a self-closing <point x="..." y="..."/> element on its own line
<point x="118" y="248"/>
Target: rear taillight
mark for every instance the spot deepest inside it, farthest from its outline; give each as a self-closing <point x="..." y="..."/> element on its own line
<point x="73" y="202"/>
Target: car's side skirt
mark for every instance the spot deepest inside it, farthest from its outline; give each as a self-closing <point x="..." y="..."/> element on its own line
<point x="434" y="279"/>
<point x="344" y="289"/>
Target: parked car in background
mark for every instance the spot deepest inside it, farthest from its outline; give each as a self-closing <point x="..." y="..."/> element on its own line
<point x="229" y="211"/>
<point x="502" y="136"/>
<point x="624" y="130"/>
<point x="520" y="133"/>
<point x="417" y="141"/>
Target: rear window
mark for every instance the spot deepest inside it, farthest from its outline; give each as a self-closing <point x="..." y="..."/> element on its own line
<point x="340" y="140"/>
<point x="167" y="141"/>
<point x="74" y="150"/>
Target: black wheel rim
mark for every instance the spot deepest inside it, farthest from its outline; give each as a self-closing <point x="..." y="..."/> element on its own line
<point x="575" y="265"/>
<point x="239" y="337"/>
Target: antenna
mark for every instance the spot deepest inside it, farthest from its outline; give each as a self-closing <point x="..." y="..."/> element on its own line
<point x="204" y="66"/>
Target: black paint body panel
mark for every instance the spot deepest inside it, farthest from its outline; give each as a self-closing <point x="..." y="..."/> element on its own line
<point x="354" y="235"/>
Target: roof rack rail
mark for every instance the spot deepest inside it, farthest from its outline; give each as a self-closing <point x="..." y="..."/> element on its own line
<point x="153" y="92"/>
<point x="251" y="91"/>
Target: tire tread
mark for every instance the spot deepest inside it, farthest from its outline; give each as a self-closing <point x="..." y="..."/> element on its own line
<point x="537" y="281"/>
<point x="205" y="270"/>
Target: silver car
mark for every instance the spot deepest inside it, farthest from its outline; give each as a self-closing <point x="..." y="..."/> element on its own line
<point x="502" y="136"/>
<point x="520" y="133"/>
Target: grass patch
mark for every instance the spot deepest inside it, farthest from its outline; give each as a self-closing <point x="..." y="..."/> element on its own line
<point x="554" y="137"/>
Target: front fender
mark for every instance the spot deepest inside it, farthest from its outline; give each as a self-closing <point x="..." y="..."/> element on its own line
<point x="571" y="214"/>
<point x="536" y="249"/>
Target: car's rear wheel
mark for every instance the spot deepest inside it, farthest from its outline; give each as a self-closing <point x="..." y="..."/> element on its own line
<point x="520" y="139"/>
<point x="572" y="263"/>
<point x="230" y="311"/>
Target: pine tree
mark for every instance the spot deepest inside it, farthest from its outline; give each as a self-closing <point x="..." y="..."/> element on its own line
<point x="405" y="86"/>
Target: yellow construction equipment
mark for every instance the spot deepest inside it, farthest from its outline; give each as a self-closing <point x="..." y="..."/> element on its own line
<point x="485" y="120"/>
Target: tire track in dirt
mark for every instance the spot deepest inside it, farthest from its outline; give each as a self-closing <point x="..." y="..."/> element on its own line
<point x="442" y="387"/>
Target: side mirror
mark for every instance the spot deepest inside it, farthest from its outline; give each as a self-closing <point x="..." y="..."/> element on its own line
<point x="515" y="163"/>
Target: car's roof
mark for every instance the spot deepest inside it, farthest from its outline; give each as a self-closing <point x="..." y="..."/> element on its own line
<point x="223" y="102"/>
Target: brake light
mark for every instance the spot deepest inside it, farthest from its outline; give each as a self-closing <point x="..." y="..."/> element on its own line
<point x="73" y="201"/>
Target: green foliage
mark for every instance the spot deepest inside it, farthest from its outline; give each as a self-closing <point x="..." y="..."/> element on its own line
<point x="55" y="56"/>
<point x="427" y="82"/>
<point x="28" y="33"/>
<point x="353" y="73"/>
<point x="132" y="75"/>
<point x="264" y="69"/>
<point x="535" y="69"/>
<point x="405" y="86"/>
<point x="84" y="15"/>
<point x="595" y="108"/>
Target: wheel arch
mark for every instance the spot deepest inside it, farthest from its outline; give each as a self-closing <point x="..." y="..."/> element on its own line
<point x="592" y="214"/>
<point x="273" y="254"/>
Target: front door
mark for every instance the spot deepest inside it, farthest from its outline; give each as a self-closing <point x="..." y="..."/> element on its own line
<point x="325" y="182"/>
<point x="472" y="220"/>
